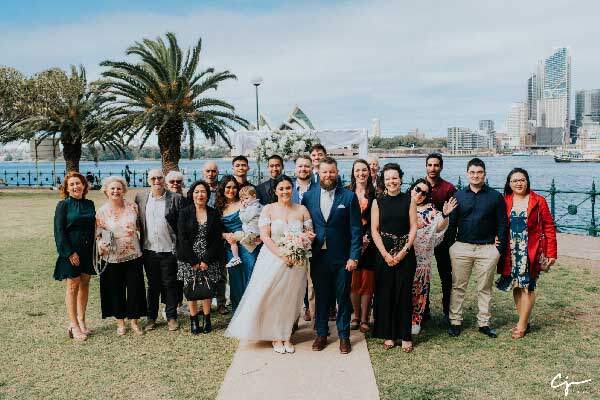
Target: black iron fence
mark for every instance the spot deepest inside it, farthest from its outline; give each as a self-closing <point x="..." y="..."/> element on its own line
<point x="573" y="210"/>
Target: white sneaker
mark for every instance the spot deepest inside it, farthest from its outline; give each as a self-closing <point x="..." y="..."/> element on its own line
<point x="416" y="329"/>
<point x="164" y="314"/>
<point x="235" y="261"/>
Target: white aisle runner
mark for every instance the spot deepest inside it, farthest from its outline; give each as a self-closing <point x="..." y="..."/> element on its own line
<point x="257" y="372"/>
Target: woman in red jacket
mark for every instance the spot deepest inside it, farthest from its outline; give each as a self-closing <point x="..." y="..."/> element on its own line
<point x="532" y="245"/>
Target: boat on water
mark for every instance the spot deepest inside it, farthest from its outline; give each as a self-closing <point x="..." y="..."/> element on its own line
<point x="522" y="153"/>
<point x="577" y="155"/>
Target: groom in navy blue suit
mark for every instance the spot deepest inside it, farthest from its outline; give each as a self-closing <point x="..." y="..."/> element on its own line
<point x="335" y="214"/>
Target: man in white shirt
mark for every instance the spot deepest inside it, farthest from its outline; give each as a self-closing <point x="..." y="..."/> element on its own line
<point x="317" y="154"/>
<point x="158" y="240"/>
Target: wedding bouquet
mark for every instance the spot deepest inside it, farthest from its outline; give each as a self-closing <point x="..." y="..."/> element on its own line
<point x="295" y="246"/>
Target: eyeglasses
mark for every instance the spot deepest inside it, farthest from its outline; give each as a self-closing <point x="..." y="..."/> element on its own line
<point x="518" y="180"/>
<point x="418" y="190"/>
<point x="156" y="178"/>
<point x="176" y="181"/>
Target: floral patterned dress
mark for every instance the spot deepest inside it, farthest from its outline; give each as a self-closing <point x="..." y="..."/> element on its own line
<point x="426" y="241"/>
<point x="519" y="276"/>
<point x="123" y="225"/>
<point x="185" y="272"/>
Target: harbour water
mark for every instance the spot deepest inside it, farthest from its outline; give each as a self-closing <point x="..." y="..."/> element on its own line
<point x="542" y="169"/>
<point x="576" y="179"/>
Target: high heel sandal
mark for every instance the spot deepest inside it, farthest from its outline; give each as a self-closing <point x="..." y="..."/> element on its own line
<point x="86" y="331"/>
<point x="407" y="349"/>
<point x="136" y="328"/>
<point x="517" y="333"/>
<point x="354" y="324"/>
<point x="76" y="334"/>
<point x="364" y="327"/>
<point x="387" y="346"/>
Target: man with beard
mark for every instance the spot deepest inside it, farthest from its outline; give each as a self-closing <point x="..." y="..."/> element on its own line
<point x="441" y="192"/>
<point x="335" y="214"/>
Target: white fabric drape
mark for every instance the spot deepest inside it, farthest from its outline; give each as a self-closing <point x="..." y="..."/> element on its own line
<point x="246" y="141"/>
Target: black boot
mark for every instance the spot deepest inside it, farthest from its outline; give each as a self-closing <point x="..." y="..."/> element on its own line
<point x="207" y="324"/>
<point x="194" y="325"/>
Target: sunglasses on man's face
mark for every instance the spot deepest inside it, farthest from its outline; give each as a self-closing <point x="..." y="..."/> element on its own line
<point x="418" y="190"/>
<point x="174" y="182"/>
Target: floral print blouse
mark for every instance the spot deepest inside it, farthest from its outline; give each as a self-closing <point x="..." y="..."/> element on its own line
<point x="124" y="228"/>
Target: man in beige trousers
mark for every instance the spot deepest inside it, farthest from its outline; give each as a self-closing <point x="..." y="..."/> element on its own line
<point x="479" y="226"/>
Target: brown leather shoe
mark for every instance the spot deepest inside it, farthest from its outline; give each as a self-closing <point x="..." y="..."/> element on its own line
<point x="319" y="343"/>
<point x="345" y="346"/>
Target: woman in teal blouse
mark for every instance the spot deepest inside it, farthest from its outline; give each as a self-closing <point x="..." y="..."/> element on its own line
<point x="74" y="226"/>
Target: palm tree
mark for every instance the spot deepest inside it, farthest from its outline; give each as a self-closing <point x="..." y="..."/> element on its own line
<point x="56" y="104"/>
<point x="163" y="93"/>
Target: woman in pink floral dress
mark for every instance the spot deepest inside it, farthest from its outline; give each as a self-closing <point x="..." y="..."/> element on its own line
<point x="432" y="225"/>
<point x="122" y="291"/>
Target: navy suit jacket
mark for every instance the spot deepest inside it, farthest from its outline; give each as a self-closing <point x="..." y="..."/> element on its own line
<point x="342" y="230"/>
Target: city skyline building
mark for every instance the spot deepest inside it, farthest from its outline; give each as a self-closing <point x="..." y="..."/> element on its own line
<point x="466" y="141"/>
<point x="553" y="109"/>
<point x="517" y="126"/>
<point x="587" y="104"/>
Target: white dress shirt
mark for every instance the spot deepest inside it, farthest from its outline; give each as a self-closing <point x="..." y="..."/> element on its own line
<point x="326" y="204"/>
<point x="158" y="236"/>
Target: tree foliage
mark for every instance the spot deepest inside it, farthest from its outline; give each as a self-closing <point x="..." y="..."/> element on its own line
<point x="53" y="103"/>
<point x="406" y="141"/>
<point x="164" y="93"/>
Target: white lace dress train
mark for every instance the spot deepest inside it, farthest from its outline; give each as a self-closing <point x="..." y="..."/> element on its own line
<point x="273" y="299"/>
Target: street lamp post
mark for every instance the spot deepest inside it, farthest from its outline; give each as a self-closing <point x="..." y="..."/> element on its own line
<point x="256" y="82"/>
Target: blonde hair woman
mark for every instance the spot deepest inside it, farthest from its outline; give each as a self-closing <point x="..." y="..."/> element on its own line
<point x="122" y="292"/>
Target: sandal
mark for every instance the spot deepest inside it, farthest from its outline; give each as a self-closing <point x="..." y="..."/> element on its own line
<point x="364" y="327"/>
<point x="518" y="333"/>
<point x="354" y="324"/>
<point x="407" y="349"/>
<point x="387" y="346"/>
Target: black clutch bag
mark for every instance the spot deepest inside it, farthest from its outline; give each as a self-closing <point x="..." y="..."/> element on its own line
<point x="199" y="288"/>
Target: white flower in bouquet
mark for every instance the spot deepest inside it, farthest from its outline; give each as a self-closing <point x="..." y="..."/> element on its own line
<point x="296" y="247"/>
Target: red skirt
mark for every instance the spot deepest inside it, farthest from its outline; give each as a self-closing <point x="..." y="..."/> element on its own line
<point x="363" y="282"/>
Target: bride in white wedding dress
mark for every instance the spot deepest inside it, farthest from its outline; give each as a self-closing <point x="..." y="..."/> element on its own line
<point x="273" y="299"/>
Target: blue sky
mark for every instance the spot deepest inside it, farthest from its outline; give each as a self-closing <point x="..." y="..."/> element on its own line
<point x="427" y="65"/>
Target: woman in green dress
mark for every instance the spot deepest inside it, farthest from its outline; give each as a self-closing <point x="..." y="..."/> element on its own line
<point x="74" y="226"/>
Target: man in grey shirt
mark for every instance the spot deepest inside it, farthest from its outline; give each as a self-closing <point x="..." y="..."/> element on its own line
<point x="158" y="241"/>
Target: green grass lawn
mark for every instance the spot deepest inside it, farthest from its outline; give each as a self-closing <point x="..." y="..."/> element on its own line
<point x="39" y="361"/>
<point x="565" y="339"/>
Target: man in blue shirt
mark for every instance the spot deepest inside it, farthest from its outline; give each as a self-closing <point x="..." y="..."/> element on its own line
<point x="479" y="226"/>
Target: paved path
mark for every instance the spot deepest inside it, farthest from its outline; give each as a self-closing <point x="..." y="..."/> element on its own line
<point x="579" y="246"/>
<point x="259" y="373"/>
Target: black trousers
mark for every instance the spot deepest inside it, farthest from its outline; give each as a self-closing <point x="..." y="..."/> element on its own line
<point x="392" y="305"/>
<point x="220" y="291"/>
<point x="444" y="267"/>
<point x="122" y="290"/>
<point x="161" y="273"/>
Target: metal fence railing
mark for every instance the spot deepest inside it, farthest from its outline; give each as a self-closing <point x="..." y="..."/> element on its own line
<point x="573" y="210"/>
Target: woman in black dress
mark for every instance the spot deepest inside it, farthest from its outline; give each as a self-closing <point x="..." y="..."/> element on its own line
<point x="74" y="222"/>
<point x="393" y="229"/>
<point x="199" y="248"/>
